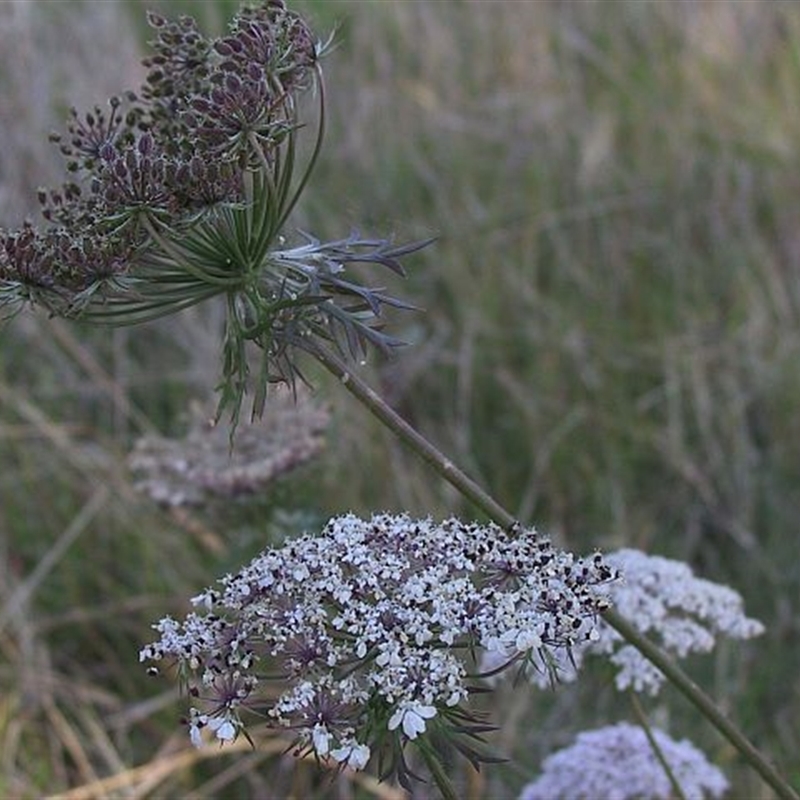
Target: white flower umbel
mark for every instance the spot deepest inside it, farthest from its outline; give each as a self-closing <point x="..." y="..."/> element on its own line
<point x="618" y="763"/>
<point x="369" y="626"/>
<point x="665" y="601"/>
<point x="412" y="716"/>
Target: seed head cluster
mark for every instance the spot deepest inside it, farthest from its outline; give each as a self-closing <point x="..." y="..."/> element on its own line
<point x="164" y="155"/>
<point x="181" y="192"/>
<point x="370" y="626"/>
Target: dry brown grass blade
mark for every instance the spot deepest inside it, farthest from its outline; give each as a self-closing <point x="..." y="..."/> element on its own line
<point x="154" y="772"/>
<point x="476" y="783"/>
<point x="85" y="462"/>
<point x="85" y="359"/>
<point x="247" y="765"/>
<point x="51" y="431"/>
<point x="80" y="522"/>
<point x="71" y="740"/>
<point x="194" y="526"/>
<point x="147" y="777"/>
<point x="100" y="740"/>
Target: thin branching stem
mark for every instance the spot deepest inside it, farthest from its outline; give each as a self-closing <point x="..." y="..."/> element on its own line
<point x="707" y="707"/>
<point x="413" y="438"/>
<point x="484" y="501"/>
<point x="185" y="262"/>
<point x="658" y="752"/>
<point x="290" y="204"/>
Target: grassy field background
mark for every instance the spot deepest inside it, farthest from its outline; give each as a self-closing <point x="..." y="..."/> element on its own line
<point x="610" y="343"/>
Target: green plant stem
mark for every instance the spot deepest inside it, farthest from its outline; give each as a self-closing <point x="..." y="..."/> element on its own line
<point x="412" y="438"/>
<point x="440" y="777"/>
<point x="657" y="751"/>
<point x="314" y="153"/>
<point x="467" y="487"/>
<point x="702" y="702"/>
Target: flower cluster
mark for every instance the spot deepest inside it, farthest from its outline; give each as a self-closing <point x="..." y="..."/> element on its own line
<point x="199" y="468"/>
<point x="618" y="763"/>
<point x="370" y="626"/>
<point x="181" y="192"/>
<point x="684" y="614"/>
<point x="662" y="599"/>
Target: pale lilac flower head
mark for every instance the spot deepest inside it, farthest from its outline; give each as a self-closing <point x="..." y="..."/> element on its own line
<point x="618" y="763"/>
<point x="665" y="601"/>
<point x="370" y="625"/>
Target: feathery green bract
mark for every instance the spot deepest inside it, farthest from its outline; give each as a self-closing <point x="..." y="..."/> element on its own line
<point x="180" y="194"/>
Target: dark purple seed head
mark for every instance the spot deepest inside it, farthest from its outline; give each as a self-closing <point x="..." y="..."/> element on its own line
<point x="155" y="20"/>
<point x="145" y="144"/>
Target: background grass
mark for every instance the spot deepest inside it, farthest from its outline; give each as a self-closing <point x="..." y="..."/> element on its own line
<point x="609" y="344"/>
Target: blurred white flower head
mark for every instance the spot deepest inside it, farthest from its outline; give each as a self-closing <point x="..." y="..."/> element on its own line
<point x="662" y="599"/>
<point x="665" y="601"/>
<point x="618" y="763"/>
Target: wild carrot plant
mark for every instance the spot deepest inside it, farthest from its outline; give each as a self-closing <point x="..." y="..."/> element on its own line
<point x="371" y="636"/>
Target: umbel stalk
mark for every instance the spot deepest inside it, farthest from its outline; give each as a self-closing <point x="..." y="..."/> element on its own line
<point x="498" y="514"/>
